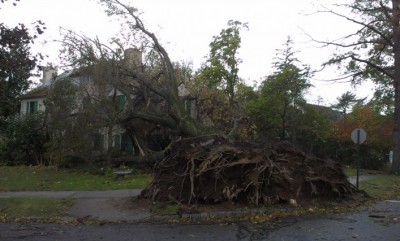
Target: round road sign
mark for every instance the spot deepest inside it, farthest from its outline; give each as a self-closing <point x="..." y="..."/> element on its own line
<point x="358" y="135"/>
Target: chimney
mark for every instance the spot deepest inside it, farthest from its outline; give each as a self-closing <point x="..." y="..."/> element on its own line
<point x="133" y="58"/>
<point x="49" y="73"/>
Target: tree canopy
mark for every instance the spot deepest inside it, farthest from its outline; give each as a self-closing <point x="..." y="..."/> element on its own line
<point x="346" y="101"/>
<point x="16" y="63"/>
<point x="222" y="65"/>
<point x="373" y="52"/>
<point x="281" y="96"/>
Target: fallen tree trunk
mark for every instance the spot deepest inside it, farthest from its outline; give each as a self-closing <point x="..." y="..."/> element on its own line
<point x="212" y="170"/>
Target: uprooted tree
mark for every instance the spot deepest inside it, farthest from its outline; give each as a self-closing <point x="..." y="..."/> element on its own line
<point x="197" y="166"/>
<point x="212" y="170"/>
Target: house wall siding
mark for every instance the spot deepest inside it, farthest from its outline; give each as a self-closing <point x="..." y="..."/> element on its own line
<point x="24" y="103"/>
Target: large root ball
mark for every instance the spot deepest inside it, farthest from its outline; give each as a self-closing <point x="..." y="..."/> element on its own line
<point x="211" y="169"/>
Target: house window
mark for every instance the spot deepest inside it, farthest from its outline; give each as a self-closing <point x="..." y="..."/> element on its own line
<point x="32" y="107"/>
<point x="123" y="142"/>
<point x="121" y="102"/>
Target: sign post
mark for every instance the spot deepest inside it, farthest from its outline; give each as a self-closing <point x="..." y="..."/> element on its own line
<point x="358" y="136"/>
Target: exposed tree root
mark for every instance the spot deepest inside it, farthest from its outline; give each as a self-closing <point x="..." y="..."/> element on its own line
<point x="211" y="169"/>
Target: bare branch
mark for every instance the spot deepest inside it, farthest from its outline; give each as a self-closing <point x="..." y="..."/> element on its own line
<point x="366" y="25"/>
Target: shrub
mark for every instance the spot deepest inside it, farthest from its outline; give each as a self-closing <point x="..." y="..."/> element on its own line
<point x="24" y="138"/>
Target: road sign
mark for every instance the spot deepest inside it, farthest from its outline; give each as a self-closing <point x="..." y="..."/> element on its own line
<point x="358" y="135"/>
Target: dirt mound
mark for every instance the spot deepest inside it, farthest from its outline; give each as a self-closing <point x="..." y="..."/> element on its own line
<point x="212" y="170"/>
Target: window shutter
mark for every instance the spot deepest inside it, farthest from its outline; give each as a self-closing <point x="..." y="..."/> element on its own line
<point x="130" y="145"/>
<point x="35" y="106"/>
<point x="121" y="102"/>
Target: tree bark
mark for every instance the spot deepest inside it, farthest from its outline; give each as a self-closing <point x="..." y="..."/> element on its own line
<point x="396" y="85"/>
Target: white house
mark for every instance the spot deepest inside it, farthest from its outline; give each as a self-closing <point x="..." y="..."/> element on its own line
<point x="35" y="101"/>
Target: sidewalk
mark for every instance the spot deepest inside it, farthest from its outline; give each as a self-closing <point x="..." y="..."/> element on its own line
<point x="75" y="194"/>
<point x="353" y="179"/>
<point x="108" y="205"/>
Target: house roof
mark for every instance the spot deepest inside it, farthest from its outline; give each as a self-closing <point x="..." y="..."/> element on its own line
<point x="332" y="114"/>
<point x="38" y="92"/>
<point x="42" y="90"/>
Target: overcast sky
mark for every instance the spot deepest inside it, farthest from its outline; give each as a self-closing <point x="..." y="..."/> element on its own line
<point x="186" y="27"/>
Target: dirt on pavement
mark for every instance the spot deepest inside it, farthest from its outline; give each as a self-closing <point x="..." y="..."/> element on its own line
<point x="110" y="209"/>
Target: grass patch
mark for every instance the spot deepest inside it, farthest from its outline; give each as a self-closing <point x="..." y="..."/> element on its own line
<point x="352" y="171"/>
<point x="382" y="187"/>
<point x="164" y="209"/>
<point x="22" y="178"/>
<point x="34" y="207"/>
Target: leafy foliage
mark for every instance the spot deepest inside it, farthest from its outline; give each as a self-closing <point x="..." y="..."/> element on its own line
<point x="378" y="144"/>
<point x="373" y="53"/>
<point x="280" y="105"/>
<point x="153" y="95"/>
<point x="16" y="62"/>
<point x="71" y="128"/>
<point x="25" y="140"/>
<point x="346" y="101"/>
<point x="216" y="113"/>
<point x="222" y="66"/>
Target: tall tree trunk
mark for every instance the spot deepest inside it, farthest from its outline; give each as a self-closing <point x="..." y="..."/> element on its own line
<point x="396" y="85"/>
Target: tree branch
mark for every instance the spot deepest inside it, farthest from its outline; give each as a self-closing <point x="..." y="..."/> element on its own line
<point x="369" y="63"/>
<point x="366" y="25"/>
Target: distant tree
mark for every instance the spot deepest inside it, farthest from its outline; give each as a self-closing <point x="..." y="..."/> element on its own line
<point x="375" y="55"/>
<point x="222" y="66"/>
<point x="16" y="64"/>
<point x="379" y="128"/>
<point x="281" y="96"/>
<point x="346" y="101"/>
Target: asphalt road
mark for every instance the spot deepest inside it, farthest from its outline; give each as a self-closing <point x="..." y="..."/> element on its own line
<point x="377" y="222"/>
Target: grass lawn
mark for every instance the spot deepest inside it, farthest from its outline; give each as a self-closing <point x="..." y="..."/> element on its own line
<point x="352" y="171"/>
<point x="382" y="187"/>
<point x="22" y="178"/>
<point x="34" y="207"/>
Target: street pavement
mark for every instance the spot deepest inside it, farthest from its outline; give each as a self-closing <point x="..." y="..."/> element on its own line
<point x="372" y="223"/>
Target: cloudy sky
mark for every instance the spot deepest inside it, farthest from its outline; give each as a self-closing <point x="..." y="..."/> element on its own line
<point x="186" y="27"/>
